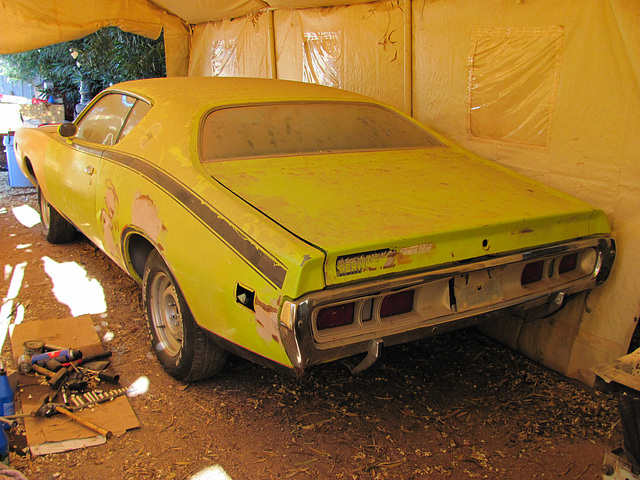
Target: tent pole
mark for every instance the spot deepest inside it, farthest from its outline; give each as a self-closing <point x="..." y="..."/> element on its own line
<point x="408" y="59"/>
<point x="272" y="46"/>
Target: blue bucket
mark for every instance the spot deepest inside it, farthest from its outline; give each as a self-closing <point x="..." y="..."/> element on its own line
<point x="16" y="177"/>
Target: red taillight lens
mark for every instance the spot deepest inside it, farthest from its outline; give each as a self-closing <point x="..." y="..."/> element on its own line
<point x="532" y="273"/>
<point x="336" y="316"/>
<point x="568" y="263"/>
<point x="396" y="304"/>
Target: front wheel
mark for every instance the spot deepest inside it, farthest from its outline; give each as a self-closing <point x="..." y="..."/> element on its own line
<point x="55" y="227"/>
<point x="181" y="346"/>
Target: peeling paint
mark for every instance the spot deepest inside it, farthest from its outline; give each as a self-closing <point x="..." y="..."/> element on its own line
<point x="267" y="321"/>
<point x="109" y="219"/>
<point x="305" y="259"/>
<point x="144" y="214"/>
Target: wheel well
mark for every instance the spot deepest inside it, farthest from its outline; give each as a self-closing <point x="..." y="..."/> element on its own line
<point x="27" y="162"/>
<point x="139" y="250"/>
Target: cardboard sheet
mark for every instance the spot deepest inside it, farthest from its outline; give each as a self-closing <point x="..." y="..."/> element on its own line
<point x="60" y="433"/>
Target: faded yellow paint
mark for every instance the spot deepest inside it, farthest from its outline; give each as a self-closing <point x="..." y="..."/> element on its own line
<point x="384" y="206"/>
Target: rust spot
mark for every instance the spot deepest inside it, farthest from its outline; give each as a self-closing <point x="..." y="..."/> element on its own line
<point x="403" y="259"/>
<point x="266" y="318"/>
<point x="266" y="307"/>
<point x="526" y="230"/>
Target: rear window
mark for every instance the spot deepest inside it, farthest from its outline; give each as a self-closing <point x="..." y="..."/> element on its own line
<point x="306" y="128"/>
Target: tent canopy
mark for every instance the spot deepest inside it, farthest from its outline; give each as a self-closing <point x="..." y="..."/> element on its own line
<point x="531" y="85"/>
<point x="29" y="24"/>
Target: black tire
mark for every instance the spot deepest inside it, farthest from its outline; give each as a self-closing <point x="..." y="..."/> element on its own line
<point x="182" y="347"/>
<point x="55" y="227"/>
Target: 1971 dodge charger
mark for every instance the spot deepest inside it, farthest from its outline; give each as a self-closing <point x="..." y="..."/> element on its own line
<point x="295" y="224"/>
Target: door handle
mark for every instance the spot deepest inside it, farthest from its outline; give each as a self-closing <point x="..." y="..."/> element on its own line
<point x="89" y="170"/>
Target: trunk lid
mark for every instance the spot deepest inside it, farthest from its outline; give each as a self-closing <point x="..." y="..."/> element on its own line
<point x="377" y="213"/>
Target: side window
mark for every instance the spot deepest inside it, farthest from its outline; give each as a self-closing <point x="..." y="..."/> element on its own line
<point x="102" y="124"/>
<point x="138" y="111"/>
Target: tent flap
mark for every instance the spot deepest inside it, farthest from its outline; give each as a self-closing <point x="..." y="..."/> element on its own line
<point x="29" y="24"/>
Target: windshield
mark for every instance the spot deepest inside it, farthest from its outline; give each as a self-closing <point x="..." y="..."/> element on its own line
<point x="306" y="128"/>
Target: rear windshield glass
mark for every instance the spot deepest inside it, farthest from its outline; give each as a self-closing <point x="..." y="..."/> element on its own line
<point x="306" y="128"/>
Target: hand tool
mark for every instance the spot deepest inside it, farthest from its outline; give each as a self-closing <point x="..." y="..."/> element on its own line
<point x="48" y="409"/>
<point x="55" y="378"/>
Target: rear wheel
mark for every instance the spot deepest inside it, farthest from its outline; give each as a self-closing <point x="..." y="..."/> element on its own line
<point x="55" y="227"/>
<point x="181" y="346"/>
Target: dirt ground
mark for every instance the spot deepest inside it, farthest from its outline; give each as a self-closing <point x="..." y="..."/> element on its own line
<point x="456" y="406"/>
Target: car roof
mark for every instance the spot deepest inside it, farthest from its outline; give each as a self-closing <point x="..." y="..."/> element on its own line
<point x="212" y="91"/>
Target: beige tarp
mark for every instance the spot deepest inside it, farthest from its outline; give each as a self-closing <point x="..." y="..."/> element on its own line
<point x="201" y="11"/>
<point x="551" y="89"/>
<point x="29" y="24"/>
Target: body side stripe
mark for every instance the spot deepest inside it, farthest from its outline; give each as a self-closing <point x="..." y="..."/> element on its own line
<point x="207" y="214"/>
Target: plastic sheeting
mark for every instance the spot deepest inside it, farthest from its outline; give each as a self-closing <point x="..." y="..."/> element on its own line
<point x="357" y="48"/>
<point x="228" y="48"/>
<point x="551" y="89"/>
<point x="513" y="82"/>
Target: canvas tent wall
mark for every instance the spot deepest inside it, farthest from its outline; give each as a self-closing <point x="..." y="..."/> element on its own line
<point x="551" y="89"/>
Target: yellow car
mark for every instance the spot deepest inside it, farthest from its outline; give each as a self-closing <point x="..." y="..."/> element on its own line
<point x="294" y="224"/>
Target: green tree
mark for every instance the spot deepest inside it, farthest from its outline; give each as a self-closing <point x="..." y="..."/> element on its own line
<point x="98" y="60"/>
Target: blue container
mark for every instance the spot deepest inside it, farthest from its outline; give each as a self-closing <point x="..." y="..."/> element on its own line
<point x="16" y="177"/>
<point x="7" y="405"/>
<point x="4" y="447"/>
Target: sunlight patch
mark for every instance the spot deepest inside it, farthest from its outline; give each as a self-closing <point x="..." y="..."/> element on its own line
<point x="26" y="215"/>
<point x="215" y="472"/>
<point x="72" y="287"/>
<point x="16" y="281"/>
<point x="139" y="387"/>
<point x="7" y="308"/>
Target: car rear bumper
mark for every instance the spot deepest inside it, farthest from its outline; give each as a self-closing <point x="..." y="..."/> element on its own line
<point x="443" y="299"/>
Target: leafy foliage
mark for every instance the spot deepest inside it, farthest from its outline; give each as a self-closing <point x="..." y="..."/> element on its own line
<point x="98" y="60"/>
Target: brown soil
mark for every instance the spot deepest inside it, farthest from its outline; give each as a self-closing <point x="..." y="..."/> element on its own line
<point x="455" y="406"/>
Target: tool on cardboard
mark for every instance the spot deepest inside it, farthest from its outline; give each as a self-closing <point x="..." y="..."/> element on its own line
<point x="49" y="409"/>
<point x="56" y="379"/>
<point x="63" y="356"/>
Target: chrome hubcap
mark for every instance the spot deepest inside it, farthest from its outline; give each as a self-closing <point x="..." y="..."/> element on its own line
<point x="165" y="314"/>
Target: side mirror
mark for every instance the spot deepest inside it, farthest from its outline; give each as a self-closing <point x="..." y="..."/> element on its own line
<point x="68" y="130"/>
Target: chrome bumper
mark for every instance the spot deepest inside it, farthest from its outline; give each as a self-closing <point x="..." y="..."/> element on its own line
<point x="434" y="310"/>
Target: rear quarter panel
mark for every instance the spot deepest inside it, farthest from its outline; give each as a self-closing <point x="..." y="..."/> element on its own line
<point x="152" y="184"/>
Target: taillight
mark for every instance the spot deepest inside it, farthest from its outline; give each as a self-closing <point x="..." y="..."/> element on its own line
<point x="335" y="316"/>
<point x="397" y="304"/>
<point x="532" y="273"/>
<point x="568" y="263"/>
